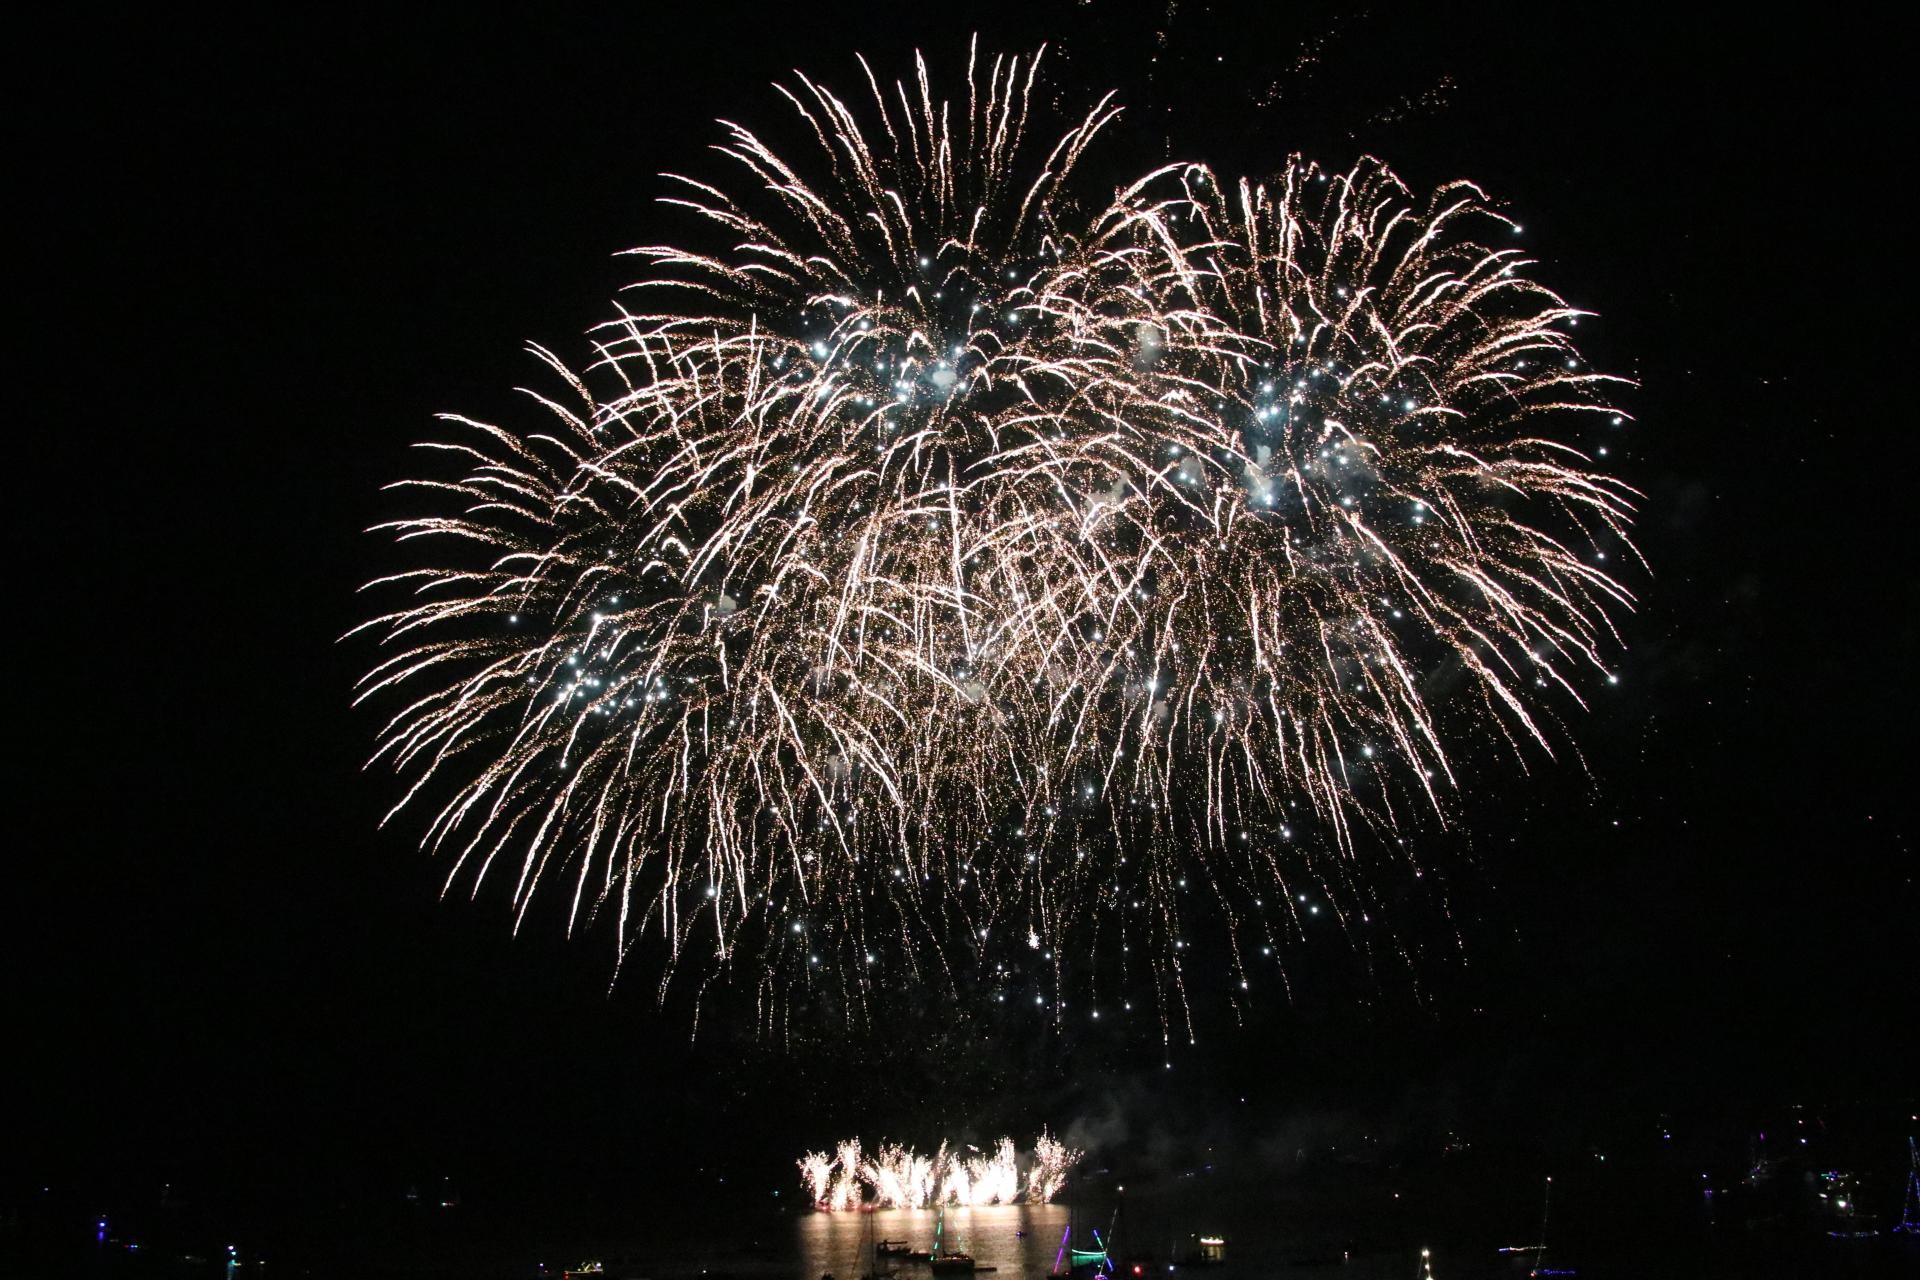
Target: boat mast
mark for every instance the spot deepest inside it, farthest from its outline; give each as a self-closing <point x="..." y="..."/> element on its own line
<point x="1106" y="1246"/>
<point x="1546" y="1205"/>
<point x="1910" y="1202"/>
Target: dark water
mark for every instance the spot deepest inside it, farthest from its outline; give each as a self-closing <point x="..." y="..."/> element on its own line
<point x="1018" y="1240"/>
<point x="1022" y="1242"/>
<point x="1364" y="1223"/>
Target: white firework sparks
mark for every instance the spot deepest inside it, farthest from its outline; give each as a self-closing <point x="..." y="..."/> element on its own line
<point x="942" y="560"/>
<point x="897" y="1177"/>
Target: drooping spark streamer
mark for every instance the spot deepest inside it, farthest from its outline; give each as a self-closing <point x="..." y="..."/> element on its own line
<point x="939" y="569"/>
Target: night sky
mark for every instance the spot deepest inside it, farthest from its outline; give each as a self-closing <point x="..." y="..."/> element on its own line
<point x="267" y="249"/>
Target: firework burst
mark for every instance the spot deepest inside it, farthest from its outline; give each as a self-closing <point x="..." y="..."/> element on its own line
<point x="932" y="573"/>
<point x="898" y="1177"/>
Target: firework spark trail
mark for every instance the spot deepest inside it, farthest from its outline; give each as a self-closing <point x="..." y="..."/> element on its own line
<point x="897" y="1177"/>
<point x="1052" y="1161"/>
<point x="816" y="1172"/>
<point x="943" y="571"/>
<point x="844" y="1193"/>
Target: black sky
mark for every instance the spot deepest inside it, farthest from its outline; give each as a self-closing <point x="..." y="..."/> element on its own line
<point x="264" y="250"/>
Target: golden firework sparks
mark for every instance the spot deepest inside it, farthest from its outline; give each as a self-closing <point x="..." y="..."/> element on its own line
<point x="944" y="565"/>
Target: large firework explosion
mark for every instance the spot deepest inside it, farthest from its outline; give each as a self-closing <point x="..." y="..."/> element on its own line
<point x="956" y="571"/>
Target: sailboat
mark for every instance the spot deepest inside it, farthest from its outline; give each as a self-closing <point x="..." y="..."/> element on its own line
<point x="875" y="1250"/>
<point x="1083" y="1264"/>
<point x="949" y="1262"/>
<point x="1910" y="1203"/>
<point x="1540" y="1252"/>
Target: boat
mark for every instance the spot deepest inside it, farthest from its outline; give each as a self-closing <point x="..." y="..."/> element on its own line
<point x="1539" y="1251"/>
<point x="877" y="1251"/>
<point x="609" y="1268"/>
<point x="1207" y="1251"/>
<point x="945" y="1261"/>
<point x="1085" y="1264"/>
<point x="1909" y="1223"/>
<point x="1081" y="1264"/>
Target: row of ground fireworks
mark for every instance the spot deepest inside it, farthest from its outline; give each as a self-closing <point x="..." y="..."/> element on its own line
<point x="898" y="1177"/>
